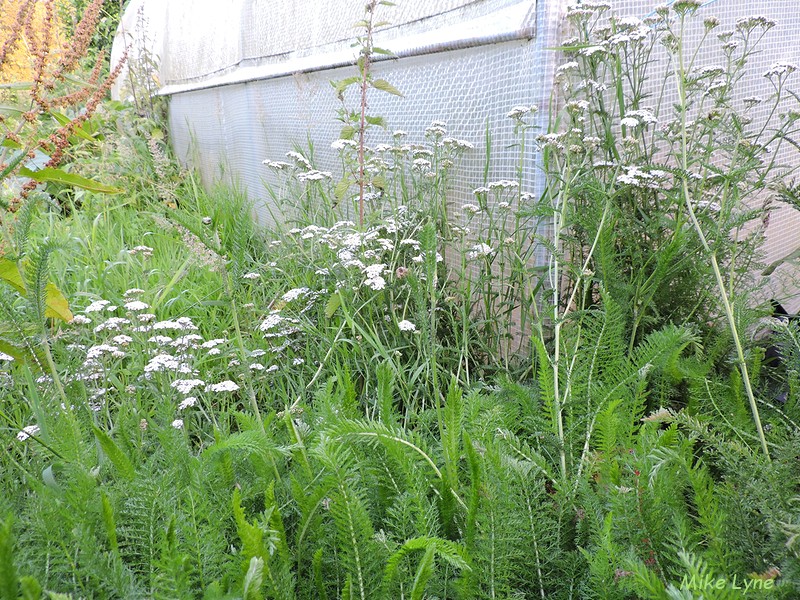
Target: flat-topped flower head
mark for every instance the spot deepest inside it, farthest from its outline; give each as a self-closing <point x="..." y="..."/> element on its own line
<point x="686" y="7"/>
<point x="503" y="184"/>
<point x="779" y="69"/>
<point x="187" y="402"/>
<point x="481" y="250"/>
<point x="112" y="324"/>
<point x="271" y="322"/>
<point x="341" y="144"/>
<point x="184" y="386"/>
<point x="299" y="159"/>
<point x="406" y="325"/>
<point x="294" y="294"/>
<point x="314" y="175"/>
<point x="223" y="386"/>
<point x="96" y="306"/>
<point x="277" y="165"/>
<point x="136" y="306"/>
<point x="145" y="251"/>
<point x="520" y="111"/>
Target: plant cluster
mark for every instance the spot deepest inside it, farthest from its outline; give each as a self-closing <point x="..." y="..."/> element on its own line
<point x="413" y="406"/>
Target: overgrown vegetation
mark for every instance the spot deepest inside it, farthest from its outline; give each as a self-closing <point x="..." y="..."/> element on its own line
<point x="413" y="408"/>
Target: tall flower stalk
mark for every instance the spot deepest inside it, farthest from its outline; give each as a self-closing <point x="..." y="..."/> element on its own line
<point x="684" y="10"/>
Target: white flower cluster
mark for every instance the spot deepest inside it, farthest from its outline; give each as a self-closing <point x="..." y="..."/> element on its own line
<point x="374" y="279"/>
<point x="405" y="325"/>
<point x="136" y="306"/>
<point x="314" y="175"/>
<point x="167" y="362"/>
<point x="481" y="250"/>
<point x="294" y="294"/>
<point x="223" y="386"/>
<point x="636" y="177"/>
<point x="520" y="111"/>
<point x="779" y="69"/>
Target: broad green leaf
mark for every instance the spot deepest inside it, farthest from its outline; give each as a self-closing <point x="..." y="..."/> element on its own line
<point x="109" y="521"/>
<point x="792" y="256"/>
<point x="348" y="132"/>
<point x="31" y="355"/>
<point x="31" y="590"/>
<point x="341" y="85"/>
<point x="379" y="182"/>
<point x="16" y="352"/>
<point x="57" y="306"/>
<point x="13" y="163"/>
<point x="385" y="86"/>
<point x="424" y="572"/>
<point x="8" y="581"/>
<point x="17" y="85"/>
<point x="60" y="118"/>
<point x="7" y="109"/>
<point x="379" y="121"/>
<point x="49" y="477"/>
<point x="334" y="302"/>
<point x="384" y="51"/>
<point x="63" y="119"/>
<point x="78" y="81"/>
<point x="7" y="143"/>
<point x="10" y="273"/>
<point x="341" y="188"/>
<point x="61" y="176"/>
<point x="254" y="579"/>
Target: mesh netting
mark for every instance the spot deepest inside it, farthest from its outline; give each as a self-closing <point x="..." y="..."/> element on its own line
<point x="226" y="131"/>
<point x="782" y="43"/>
<point x="239" y="126"/>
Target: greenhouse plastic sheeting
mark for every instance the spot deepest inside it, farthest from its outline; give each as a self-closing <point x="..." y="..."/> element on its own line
<point x="464" y="63"/>
<point x="250" y="80"/>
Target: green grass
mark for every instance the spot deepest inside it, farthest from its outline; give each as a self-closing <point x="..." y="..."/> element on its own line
<point x="328" y="411"/>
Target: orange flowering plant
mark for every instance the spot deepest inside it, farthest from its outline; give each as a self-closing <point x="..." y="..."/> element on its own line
<point x="47" y="98"/>
<point x="41" y="118"/>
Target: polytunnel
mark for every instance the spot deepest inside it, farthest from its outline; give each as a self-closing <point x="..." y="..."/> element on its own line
<point x="250" y="80"/>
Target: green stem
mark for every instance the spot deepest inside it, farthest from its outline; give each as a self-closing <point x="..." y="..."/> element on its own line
<point x="560" y="216"/>
<point x="51" y="364"/>
<point x="680" y="80"/>
<point x="243" y="353"/>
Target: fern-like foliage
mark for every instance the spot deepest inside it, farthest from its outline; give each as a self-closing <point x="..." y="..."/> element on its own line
<point x="37" y="273"/>
<point x="360" y="554"/>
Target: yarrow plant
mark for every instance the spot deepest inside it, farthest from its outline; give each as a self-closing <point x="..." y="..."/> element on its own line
<point x="333" y="408"/>
<point x="643" y="177"/>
